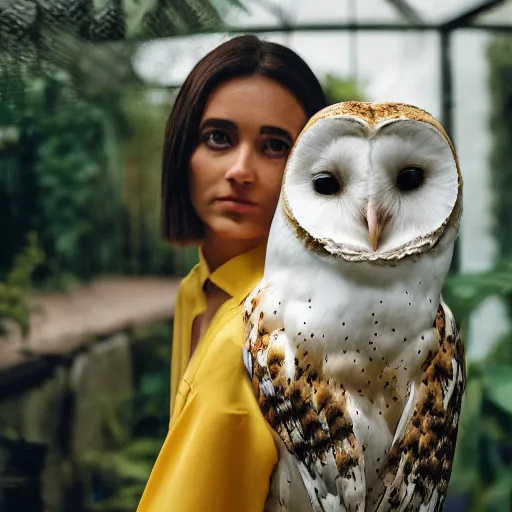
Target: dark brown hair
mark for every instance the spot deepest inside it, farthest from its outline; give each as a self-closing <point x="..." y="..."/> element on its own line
<point x="241" y="56"/>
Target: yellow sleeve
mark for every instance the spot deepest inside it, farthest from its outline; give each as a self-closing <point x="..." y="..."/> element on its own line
<point x="219" y="453"/>
<point x="214" y="459"/>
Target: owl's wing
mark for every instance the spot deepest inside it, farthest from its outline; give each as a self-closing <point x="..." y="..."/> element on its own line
<point x="309" y="414"/>
<point x="420" y="459"/>
<point x="287" y="491"/>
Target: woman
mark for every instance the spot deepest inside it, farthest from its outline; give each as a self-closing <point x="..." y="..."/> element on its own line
<point x="229" y="134"/>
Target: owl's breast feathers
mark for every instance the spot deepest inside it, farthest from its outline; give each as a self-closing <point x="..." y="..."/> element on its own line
<point x="309" y="413"/>
<point x="311" y="416"/>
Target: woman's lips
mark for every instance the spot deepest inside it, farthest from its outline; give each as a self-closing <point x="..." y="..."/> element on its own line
<point x="236" y="204"/>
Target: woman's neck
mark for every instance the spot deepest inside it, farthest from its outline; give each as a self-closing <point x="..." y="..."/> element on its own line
<point x="217" y="251"/>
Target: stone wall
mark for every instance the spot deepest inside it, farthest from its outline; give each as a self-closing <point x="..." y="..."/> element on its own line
<point x="61" y="388"/>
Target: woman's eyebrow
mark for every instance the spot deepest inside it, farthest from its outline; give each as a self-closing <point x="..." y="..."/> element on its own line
<point x="214" y="122"/>
<point x="226" y="124"/>
<point x="274" y="130"/>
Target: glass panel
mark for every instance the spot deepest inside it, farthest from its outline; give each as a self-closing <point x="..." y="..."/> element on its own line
<point x="438" y="11"/>
<point x="256" y="14"/>
<point x="374" y="11"/>
<point x="499" y="15"/>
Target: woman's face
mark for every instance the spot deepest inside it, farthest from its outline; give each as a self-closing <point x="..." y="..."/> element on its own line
<point x="245" y="135"/>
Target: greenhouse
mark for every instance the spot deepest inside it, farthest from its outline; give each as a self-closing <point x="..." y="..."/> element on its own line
<point x="87" y="284"/>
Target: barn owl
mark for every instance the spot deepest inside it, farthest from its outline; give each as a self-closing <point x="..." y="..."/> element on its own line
<point x="355" y="360"/>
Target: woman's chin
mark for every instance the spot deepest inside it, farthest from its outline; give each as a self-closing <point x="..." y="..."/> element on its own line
<point x="230" y="230"/>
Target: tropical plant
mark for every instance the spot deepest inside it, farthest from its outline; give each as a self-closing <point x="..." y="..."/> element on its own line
<point x="499" y="56"/>
<point x="78" y="173"/>
<point x="500" y="126"/>
<point x="137" y="427"/>
<point x="338" y="89"/>
<point x="483" y="459"/>
<point x="80" y="133"/>
<point x="13" y="291"/>
<point x="483" y="462"/>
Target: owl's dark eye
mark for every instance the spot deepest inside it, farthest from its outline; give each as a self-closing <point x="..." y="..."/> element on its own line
<point x="410" y="178"/>
<point x="326" y="184"/>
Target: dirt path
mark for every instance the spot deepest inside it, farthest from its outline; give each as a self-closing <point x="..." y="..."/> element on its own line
<point x="63" y="322"/>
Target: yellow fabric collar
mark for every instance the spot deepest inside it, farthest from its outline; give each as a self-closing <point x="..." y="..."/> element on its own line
<point x="232" y="276"/>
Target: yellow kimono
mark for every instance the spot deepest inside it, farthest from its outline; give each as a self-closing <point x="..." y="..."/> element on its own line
<point x="219" y="454"/>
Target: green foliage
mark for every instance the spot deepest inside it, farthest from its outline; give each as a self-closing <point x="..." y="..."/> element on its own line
<point x="78" y="175"/>
<point x="483" y="459"/>
<point x="137" y="428"/>
<point x="497" y="384"/>
<point x="13" y="302"/>
<point x="32" y="27"/>
<point x="500" y="126"/>
<point x="84" y="172"/>
<point x="59" y="175"/>
<point x="499" y="56"/>
<point x="81" y="136"/>
<point x="338" y="89"/>
<point x="146" y="111"/>
<point x="465" y="292"/>
<point x="150" y="19"/>
<point x="152" y="356"/>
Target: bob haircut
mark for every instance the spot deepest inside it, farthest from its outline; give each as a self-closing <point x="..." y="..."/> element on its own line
<point x="238" y="57"/>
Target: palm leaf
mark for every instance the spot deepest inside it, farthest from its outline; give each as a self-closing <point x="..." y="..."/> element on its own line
<point x="466" y="292"/>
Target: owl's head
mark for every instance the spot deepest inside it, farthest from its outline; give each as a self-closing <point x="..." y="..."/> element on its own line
<point x="370" y="181"/>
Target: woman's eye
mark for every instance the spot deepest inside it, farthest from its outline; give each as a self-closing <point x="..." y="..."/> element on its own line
<point x="410" y="178"/>
<point x="217" y="139"/>
<point x="326" y="184"/>
<point x="276" y="147"/>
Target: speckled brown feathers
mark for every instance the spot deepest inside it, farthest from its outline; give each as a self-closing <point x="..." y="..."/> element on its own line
<point x="311" y="416"/>
<point x="320" y="410"/>
<point x="309" y="413"/>
<point x="420" y="463"/>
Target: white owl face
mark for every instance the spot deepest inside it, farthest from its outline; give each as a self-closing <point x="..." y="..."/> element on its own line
<point x="371" y="189"/>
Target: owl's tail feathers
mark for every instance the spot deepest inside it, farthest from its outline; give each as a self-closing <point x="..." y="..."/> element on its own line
<point x="322" y="500"/>
<point x="406" y="414"/>
<point x="341" y="501"/>
<point x="248" y="362"/>
<point x="287" y="490"/>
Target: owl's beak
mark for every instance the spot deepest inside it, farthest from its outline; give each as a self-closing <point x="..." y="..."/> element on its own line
<point x="374" y="229"/>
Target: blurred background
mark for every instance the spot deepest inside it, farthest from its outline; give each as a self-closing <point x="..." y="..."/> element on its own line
<point x="86" y="285"/>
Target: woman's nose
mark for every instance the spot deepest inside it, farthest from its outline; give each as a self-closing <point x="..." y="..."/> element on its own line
<point x="242" y="170"/>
